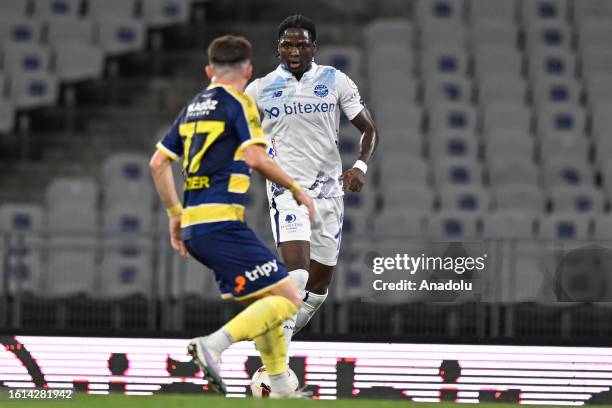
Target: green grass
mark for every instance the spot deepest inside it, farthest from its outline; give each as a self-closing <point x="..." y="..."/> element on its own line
<point x="189" y="401"/>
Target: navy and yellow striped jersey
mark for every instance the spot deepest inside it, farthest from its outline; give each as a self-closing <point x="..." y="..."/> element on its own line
<point x="208" y="137"/>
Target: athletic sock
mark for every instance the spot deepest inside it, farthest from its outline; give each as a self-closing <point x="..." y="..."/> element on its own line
<point x="260" y="317"/>
<point x="312" y="303"/>
<point x="219" y="341"/>
<point x="300" y="278"/>
<point x="271" y="347"/>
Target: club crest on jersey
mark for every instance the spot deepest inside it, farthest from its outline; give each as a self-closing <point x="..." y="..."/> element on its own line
<point x="321" y="90"/>
<point x="201" y="108"/>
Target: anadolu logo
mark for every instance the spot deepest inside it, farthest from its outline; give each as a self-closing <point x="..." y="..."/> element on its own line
<point x="321" y="90"/>
<point x="290" y="218"/>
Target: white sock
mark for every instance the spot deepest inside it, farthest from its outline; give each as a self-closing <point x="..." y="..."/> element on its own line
<point x="280" y="383"/>
<point x="300" y="278"/>
<point x="312" y="303"/>
<point x="219" y="341"/>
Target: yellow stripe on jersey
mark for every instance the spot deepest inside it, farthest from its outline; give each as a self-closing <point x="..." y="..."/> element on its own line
<point x="239" y="155"/>
<point x="206" y="213"/>
<point x="239" y="183"/>
<point x="166" y="151"/>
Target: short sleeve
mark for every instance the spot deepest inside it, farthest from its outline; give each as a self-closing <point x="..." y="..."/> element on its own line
<point x="172" y="144"/>
<point x="247" y="123"/>
<point x="251" y="90"/>
<point x="349" y="97"/>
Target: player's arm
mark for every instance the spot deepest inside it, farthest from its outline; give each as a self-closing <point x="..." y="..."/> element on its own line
<point x="161" y="171"/>
<point x="256" y="158"/>
<point x="354" y="178"/>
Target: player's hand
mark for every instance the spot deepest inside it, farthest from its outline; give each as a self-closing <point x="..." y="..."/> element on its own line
<point x="353" y="179"/>
<point x="304" y="198"/>
<point x="175" y="236"/>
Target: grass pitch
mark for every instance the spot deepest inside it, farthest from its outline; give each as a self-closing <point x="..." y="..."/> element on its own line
<point x="189" y="401"/>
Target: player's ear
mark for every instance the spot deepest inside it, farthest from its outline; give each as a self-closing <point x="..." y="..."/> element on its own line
<point x="278" y="49"/>
<point x="209" y="71"/>
<point x="248" y="73"/>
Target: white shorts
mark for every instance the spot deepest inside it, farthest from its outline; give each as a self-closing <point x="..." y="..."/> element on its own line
<point x="290" y="223"/>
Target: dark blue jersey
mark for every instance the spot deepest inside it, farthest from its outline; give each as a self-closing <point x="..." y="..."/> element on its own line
<point x="210" y="135"/>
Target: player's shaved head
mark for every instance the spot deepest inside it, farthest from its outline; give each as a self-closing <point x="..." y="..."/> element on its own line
<point x="229" y="50"/>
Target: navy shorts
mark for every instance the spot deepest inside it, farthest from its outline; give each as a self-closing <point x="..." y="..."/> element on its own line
<point x="244" y="267"/>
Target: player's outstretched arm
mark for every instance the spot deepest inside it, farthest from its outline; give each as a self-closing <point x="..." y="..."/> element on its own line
<point x="164" y="184"/>
<point x="256" y="157"/>
<point x="354" y="178"/>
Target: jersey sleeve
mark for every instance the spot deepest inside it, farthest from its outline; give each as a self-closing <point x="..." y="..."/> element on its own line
<point x="348" y="95"/>
<point x="172" y="144"/>
<point x="247" y="124"/>
<point x="251" y="90"/>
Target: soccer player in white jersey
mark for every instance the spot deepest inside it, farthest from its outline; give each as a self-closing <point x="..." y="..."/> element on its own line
<point x="300" y="104"/>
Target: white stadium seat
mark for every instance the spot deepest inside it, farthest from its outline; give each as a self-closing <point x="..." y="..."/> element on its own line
<point x="57" y="8"/>
<point x="163" y="13"/>
<point x="33" y="90"/>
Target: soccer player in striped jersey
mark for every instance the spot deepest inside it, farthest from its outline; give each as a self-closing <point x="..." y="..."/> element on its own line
<point x="219" y="137"/>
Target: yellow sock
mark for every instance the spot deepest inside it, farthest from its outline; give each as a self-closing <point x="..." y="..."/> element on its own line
<point x="260" y="317"/>
<point x="273" y="350"/>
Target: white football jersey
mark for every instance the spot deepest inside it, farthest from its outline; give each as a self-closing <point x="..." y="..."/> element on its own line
<point x="301" y="120"/>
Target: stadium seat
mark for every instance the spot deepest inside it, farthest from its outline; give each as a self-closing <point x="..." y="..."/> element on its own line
<point x="19" y="30"/>
<point x="507" y="116"/>
<point x="564" y="226"/>
<point x="556" y="147"/>
<point x="57" y="8"/>
<point x="388" y="31"/>
<point x="505" y="144"/>
<point x="556" y="34"/>
<point x="194" y="280"/>
<point x="602" y="230"/>
<point x="400" y="223"/>
<point x="76" y="57"/>
<point x="120" y="35"/>
<point x="348" y="59"/>
<point x="452" y="116"/>
<point x="501" y="87"/>
<point x="33" y="90"/>
<point x="392" y="92"/>
<point x="599" y="89"/>
<point x="428" y="11"/>
<point x="406" y="197"/>
<point x="513" y="171"/>
<point x="567" y="172"/>
<point x="127" y="222"/>
<point x="126" y="270"/>
<point x="560" y="120"/>
<point x="525" y="198"/>
<point x="556" y="90"/>
<point x="547" y="62"/>
<point x="453" y="226"/>
<point x="401" y="117"/>
<point x="595" y="32"/>
<point x="413" y="172"/>
<point x="443" y="60"/>
<point x="72" y="207"/>
<point x="105" y="8"/>
<point x="22" y="225"/>
<point x="588" y="9"/>
<point x="508" y="225"/>
<point x="525" y="274"/>
<point x="472" y="199"/>
<point x="492" y="60"/>
<point x="447" y="88"/>
<point x="399" y="147"/>
<point x="443" y="33"/>
<point x="584" y="199"/>
<point x="126" y="181"/>
<point x="500" y="33"/>
<point x="7" y="116"/>
<point x="453" y="144"/>
<point x="364" y="204"/>
<point x="71" y="267"/>
<point x="538" y="11"/>
<point x="606" y="172"/>
<point x="163" y="13"/>
<point x="596" y="60"/>
<point x="26" y="58"/>
<point x="603" y="146"/>
<point x="480" y="10"/>
<point x="456" y="172"/>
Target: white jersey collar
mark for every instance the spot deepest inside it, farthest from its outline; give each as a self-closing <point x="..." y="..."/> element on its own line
<point x="287" y="74"/>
